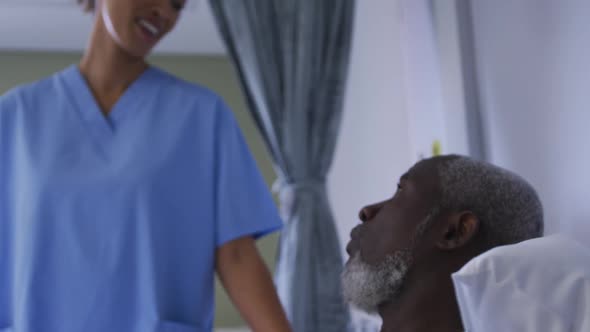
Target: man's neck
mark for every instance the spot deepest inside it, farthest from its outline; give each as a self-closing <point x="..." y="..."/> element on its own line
<point x="427" y="305"/>
<point x="108" y="69"/>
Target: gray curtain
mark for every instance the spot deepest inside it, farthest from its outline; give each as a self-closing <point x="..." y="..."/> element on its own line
<point x="292" y="57"/>
<point x="473" y="106"/>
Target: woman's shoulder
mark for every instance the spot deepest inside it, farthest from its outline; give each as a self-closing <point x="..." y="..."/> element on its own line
<point x="28" y="91"/>
<point x="28" y="97"/>
<point x="194" y="97"/>
<point x="185" y="90"/>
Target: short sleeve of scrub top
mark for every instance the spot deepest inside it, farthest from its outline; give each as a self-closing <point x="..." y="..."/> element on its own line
<point x="111" y="223"/>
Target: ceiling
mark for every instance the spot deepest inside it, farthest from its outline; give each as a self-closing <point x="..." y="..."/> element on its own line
<point x="60" y="25"/>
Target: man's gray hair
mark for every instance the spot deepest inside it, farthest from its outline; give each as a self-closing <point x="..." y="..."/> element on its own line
<point x="507" y="206"/>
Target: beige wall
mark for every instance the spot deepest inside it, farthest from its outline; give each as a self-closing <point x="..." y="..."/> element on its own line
<point x="213" y="72"/>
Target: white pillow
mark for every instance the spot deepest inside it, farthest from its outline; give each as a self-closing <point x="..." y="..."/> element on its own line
<point x="540" y="285"/>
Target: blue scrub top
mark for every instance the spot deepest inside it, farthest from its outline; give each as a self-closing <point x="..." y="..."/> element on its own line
<point x="110" y="224"/>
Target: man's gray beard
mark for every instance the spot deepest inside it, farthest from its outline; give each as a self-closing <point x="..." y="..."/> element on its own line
<point x="366" y="286"/>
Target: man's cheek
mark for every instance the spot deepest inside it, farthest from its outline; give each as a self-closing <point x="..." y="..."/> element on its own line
<point x="371" y="250"/>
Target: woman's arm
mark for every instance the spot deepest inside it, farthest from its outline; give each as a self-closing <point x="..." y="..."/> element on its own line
<point x="249" y="284"/>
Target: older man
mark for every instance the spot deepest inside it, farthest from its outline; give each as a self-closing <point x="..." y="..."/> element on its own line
<point x="446" y="211"/>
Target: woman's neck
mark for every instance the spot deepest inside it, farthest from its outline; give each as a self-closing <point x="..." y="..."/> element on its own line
<point x="109" y="69"/>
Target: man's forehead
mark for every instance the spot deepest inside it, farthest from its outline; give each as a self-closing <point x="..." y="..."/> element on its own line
<point x="424" y="174"/>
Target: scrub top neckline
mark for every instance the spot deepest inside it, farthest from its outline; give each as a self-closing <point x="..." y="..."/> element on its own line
<point x="126" y="105"/>
<point x="102" y="129"/>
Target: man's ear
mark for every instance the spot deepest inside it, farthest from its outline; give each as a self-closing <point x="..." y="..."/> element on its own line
<point x="460" y="228"/>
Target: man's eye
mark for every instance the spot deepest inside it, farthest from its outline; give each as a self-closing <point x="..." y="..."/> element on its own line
<point x="399" y="188"/>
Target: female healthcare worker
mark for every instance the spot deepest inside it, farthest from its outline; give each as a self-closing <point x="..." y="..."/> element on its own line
<point x="122" y="190"/>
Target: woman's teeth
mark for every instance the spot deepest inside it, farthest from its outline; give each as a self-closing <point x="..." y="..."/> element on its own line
<point x="150" y="27"/>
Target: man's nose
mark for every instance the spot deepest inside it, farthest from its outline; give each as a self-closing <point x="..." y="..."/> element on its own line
<point x="365" y="214"/>
<point x="368" y="212"/>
